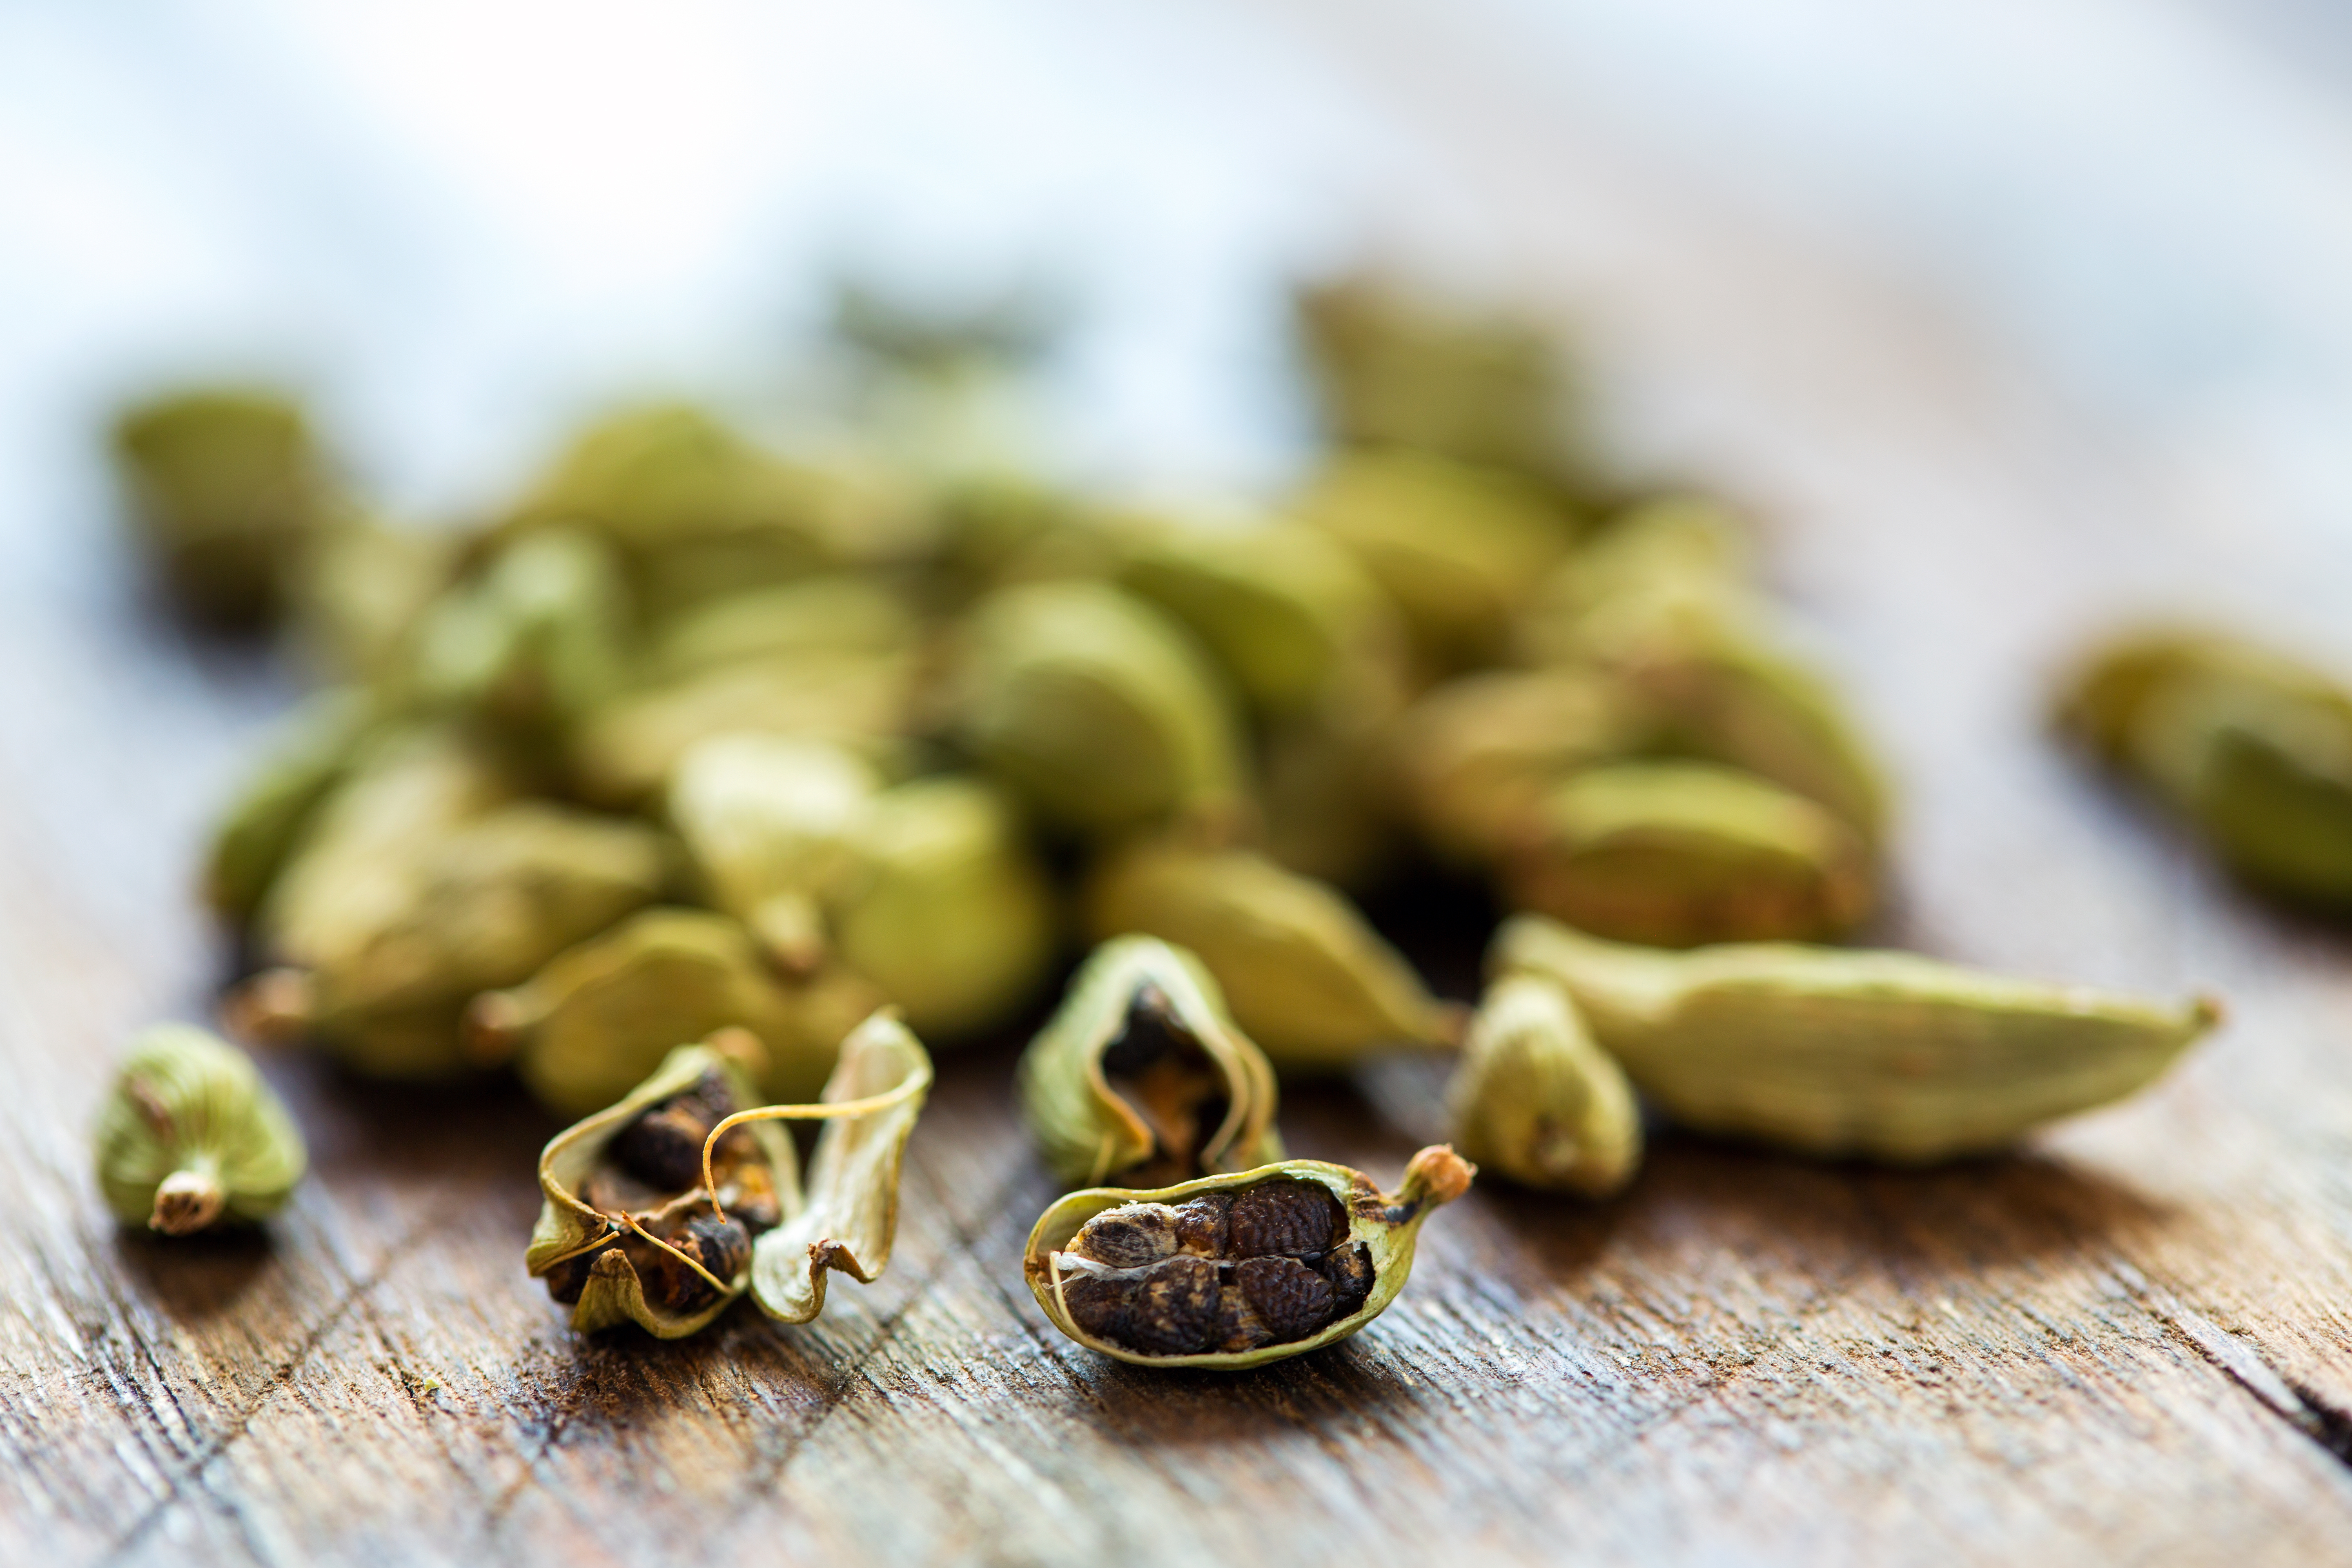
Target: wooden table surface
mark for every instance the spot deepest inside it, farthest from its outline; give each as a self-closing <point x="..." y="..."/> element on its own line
<point x="2129" y="1342"/>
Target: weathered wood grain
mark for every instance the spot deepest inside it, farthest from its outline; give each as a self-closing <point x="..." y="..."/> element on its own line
<point x="2131" y="1342"/>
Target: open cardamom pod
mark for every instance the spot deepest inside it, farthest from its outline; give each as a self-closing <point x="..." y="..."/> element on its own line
<point x="190" y="1136"/>
<point x="665" y="1207"/>
<point x="947" y="910"/>
<point x="1142" y="1076"/>
<point x="601" y="1016"/>
<point x="1233" y="1271"/>
<point x="1534" y="1100"/>
<point x="1676" y="854"/>
<point x="769" y="821"/>
<point x="1094" y="707"/>
<point x="1831" y="1052"/>
<point x="1303" y="972"/>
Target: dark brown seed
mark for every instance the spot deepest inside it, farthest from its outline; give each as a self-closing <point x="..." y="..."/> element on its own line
<point x="1349" y="1269"/>
<point x="1098" y="1306"/>
<point x="1239" y="1328"/>
<point x="1175" y="1309"/>
<point x="1127" y="1236"/>
<point x="664" y="1146"/>
<point x="1201" y="1224"/>
<point x="721" y="1246"/>
<point x="569" y="1277"/>
<point x="614" y="1191"/>
<point x="1290" y="1298"/>
<point x="1287" y="1219"/>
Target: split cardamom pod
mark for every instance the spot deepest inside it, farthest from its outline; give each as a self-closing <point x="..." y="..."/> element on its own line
<point x="226" y="485"/>
<point x="2254" y="748"/>
<point x="1677" y="854"/>
<point x="1233" y="1271"/>
<point x="663" y="1209"/>
<point x="946" y="908"/>
<point x="769" y="820"/>
<point x="1885" y="1056"/>
<point x="1534" y="1100"/>
<point x="1303" y="972"/>
<point x="602" y="1015"/>
<point x="190" y="1136"/>
<point x="1141" y="1076"/>
<point x="1094" y="707"/>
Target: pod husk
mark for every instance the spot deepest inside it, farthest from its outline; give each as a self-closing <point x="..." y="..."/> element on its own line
<point x="1534" y="1100"/>
<point x="187" y="1105"/>
<point x="1388" y="1225"/>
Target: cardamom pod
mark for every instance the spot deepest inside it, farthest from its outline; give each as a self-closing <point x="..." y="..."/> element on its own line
<point x="1233" y="1271"/>
<point x="1458" y="549"/>
<point x="601" y="1015"/>
<point x="1095" y="708"/>
<point x="191" y="1136"/>
<point x="767" y="821"/>
<point x="360" y="588"/>
<point x="254" y="840"/>
<point x="536" y="637"/>
<point x="1535" y="1101"/>
<point x="1325" y="807"/>
<point x="948" y="909"/>
<point x="492" y="901"/>
<point x="1885" y="1056"/>
<point x="1671" y="554"/>
<point x="1140" y="1074"/>
<point x="834" y="613"/>
<point x="1677" y="854"/>
<point x="1305" y="976"/>
<point x="2103" y="700"/>
<point x="665" y="1208"/>
<point x="1474" y="758"/>
<point x="1283" y="609"/>
<point x="226" y="487"/>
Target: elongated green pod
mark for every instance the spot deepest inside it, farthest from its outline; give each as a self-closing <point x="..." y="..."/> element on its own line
<point x="1231" y="1272"/>
<point x="769" y="821"/>
<point x="1535" y="1100"/>
<point x="255" y="837"/>
<point x="1141" y="1074"/>
<point x="1886" y="1055"/>
<point x="190" y="1136"/>
<point x="1474" y="757"/>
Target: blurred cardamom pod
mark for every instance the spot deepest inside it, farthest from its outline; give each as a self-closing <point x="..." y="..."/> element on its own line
<point x="1885" y="1056"/>
<point x="1669" y="556"/>
<point x="190" y="1136"/>
<point x="313" y="753"/>
<point x="537" y="637"/>
<point x="1474" y="758"/>
<point x="1534" y="1100"/>
<point x="848" y="612"/>
<point x="1141" y="1075"/>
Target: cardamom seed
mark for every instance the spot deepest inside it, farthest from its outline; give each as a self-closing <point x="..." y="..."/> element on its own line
<point x="1140" y="1074"/>
<point x="1534" y="1100"/>
<point x="1233" y="1271"/>
<point x="1885" y="1056"/>
<point x="190" y="1136"/>
<point x="1677" y="854"/>
<point x="1305" y="976"/>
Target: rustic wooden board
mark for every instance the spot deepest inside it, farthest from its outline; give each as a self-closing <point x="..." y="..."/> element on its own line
<point x="2130" y="1342"/>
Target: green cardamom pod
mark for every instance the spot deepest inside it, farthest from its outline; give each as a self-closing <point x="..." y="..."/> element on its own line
<point x="1534" y="1100"/>
<point x="947" y="910"/>
<point x="1885" y="1056"/>
<point x="226" y="485"/>
<point x="256" y="836"/>
<point x="1095" y="708"/>
<point x="1474" y="758"/>
<point x="359" y="589"/>
<point x="1283" y="609"/>
<point x="1233" y="1271"/>
<point x="2103" y="700"/>
<point x="1305" y="973"/>
<point x="1140" y="1076"/>
<point x="1677" y="854"/>
<point x="492" y="901"/>
<point x="663" y="1209"/>
<point x="1458" y="549"/>
<point x="1667" y="555"/>
<point x="769" y="822"/>
<point x="833" y="613"/>
<point x="601" y="1016"/>
<point x="1325" y="806"/>
<point x="190" y="1136"/>
<point x="538" y="635"/>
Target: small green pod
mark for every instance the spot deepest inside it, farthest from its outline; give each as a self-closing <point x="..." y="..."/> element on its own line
<point x="1833" y="1053"/>
<point x="1472" y="759"/>
<point x="226" y="485"/>
<point x="190" y="1136"/>
<point x="1324" y="806"/>
<point x="1141" y="1076"/>
<point x="835" y="612"/>
<point x="2104" y="699"/>
<point x="255" y="837"/>
<point x="1229" y="1272"/>
<point x="534" y="639"/>
<point x="1458" y="549"/>
<point x="360" y="588"/>
<point x="1680" y="854"/>
<point x="601" y="1016"/>
<point x="1670" y="552"/>
<point x="1095" y="708"/>
<point x="1535" y="1100"/>
<point x="770" y="822"/>
<point x="1305" y="973"/>
<point x="948" y="909"/>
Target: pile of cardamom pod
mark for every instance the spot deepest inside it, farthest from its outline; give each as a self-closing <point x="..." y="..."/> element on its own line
<point x="705" y="788"/>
